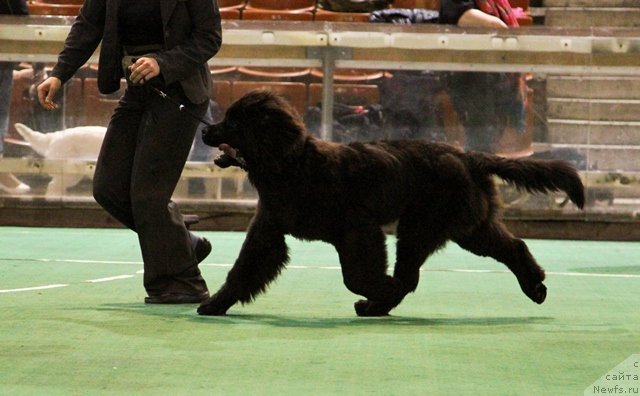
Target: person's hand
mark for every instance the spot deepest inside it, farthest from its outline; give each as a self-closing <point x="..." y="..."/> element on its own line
<point x="477" y="18"/>
<point x="47" y="91"/>
<point x="144" y="69"/>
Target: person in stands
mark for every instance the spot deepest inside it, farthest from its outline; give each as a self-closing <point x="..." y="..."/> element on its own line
<point x="486" y="103"/>
<point x="8" y="182"/>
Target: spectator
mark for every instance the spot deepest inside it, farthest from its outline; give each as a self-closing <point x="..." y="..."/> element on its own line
<point x="486" y="103"/>
<point x="8" y="182"/>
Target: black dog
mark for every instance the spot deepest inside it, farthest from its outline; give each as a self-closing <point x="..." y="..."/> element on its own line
<point x="343" y="194"/>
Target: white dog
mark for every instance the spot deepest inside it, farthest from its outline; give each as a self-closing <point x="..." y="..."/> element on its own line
<point x="79" y="143"/>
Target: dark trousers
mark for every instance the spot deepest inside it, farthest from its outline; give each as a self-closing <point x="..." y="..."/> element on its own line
<point x="140" y="162"/>
<point x="476" y="98"/>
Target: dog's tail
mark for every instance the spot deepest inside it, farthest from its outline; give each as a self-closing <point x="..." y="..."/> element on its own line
<point x="533" y="175"/>
<point x="38" y="141"/>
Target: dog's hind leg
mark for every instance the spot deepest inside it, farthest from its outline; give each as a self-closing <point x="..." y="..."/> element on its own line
<point x="494" y="240"/>
<point x="263" y="255"/>
<point x="415" y="243"/>
<point x="363" y="257"/>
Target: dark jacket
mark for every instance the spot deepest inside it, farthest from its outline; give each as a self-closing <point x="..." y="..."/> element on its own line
<point x="452" y="10"/>
<point x="13" y="7"/>
<point x="192" y="35"/>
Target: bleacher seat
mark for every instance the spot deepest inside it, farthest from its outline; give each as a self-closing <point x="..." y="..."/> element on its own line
<point x="349" y="94"/>
<point x="54" y="9"/>
<point x="290" y="74"/>
<point x="295" y="93"/>
<point x="334" y="16"/>
<point x="231" y="9"/>
<point x="75" y="2"/>
<point x="74" y="103"/>
<point x="21" y="104"/>
<point x="352" y="75"/>
<point x="301" y="10"/>
<point x="224" y="72"/>
<point x="98" y="108"/>
<point x="221" y="93"/>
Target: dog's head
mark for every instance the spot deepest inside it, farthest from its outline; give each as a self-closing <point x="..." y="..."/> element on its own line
<point x="262" y="126"/>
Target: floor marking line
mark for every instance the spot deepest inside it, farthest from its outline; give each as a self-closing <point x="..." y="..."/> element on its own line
<point x="587" y="274"/>
<point x="460" y="270"/>
<point x="220" y="265"/>
<point x="110" y="278"/>
<point x="72" y="261"/>
<point x="88" y="261"/>
<point x="595" y="274"/>
<point x="32" y="288"/>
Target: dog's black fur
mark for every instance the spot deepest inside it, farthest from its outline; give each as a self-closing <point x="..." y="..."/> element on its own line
<point x="343" y="194"/>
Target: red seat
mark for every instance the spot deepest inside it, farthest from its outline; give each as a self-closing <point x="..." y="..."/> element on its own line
<point x="228" y="73"/>
<point x="333" y="16"/>
<point x="230" y="14"/>
<point x="74" y="103"/>
<point x="352" y="75"/>
<point x="349" y="94"/>
<point x="519" y="144"/>
<point x="21" y="105"/>
<point x="291" y="74"/>
<point x="295" y="93"/>
<point x="231" y="9"/>
<point x="323" y="14"/>
<point x="221" y="93"/>
<point x="229" y="4"/>
<point x="301" y="10"/>
<point x="38" y="8"/>
<point x="76" y="2"/>
<point x="98" y="108"/>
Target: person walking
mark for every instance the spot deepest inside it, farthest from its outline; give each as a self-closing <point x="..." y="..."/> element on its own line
<point x="160" y="46"/>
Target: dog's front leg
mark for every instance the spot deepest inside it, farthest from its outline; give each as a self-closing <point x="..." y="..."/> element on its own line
<point x="363" y="258"/>
<point x="263" y="255"/>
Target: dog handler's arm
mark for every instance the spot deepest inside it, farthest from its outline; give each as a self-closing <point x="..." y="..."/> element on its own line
<point x="200" y="44"/>
<point x="47" y="91"/>
<point x="82" y="40"/>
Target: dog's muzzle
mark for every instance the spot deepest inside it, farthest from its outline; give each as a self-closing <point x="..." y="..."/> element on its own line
<point x="211" y="135"/>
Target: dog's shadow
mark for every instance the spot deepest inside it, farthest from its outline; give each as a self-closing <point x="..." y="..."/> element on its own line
<point x="391" y="320"/>
<point x="289" y="321"/>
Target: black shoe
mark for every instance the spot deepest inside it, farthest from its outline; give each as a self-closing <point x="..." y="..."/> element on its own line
<point x="202" y="250"/>
<point x="177" y="298"/>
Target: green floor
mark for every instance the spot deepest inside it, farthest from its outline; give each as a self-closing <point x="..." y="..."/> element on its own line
<point x="468" y="330"/>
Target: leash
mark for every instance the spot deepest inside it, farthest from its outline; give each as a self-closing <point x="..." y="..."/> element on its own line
<point x="180" y="106"/>
<point x="238" y="158"/>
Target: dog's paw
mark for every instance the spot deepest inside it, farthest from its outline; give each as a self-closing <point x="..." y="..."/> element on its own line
<point x="370" y="308"/>
<point x="536" y="292"/>
<point x="211" y="308"/>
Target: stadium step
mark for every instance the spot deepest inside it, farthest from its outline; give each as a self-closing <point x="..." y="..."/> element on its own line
<point x="597" y="115"/>
<point x="590" y="13"/>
